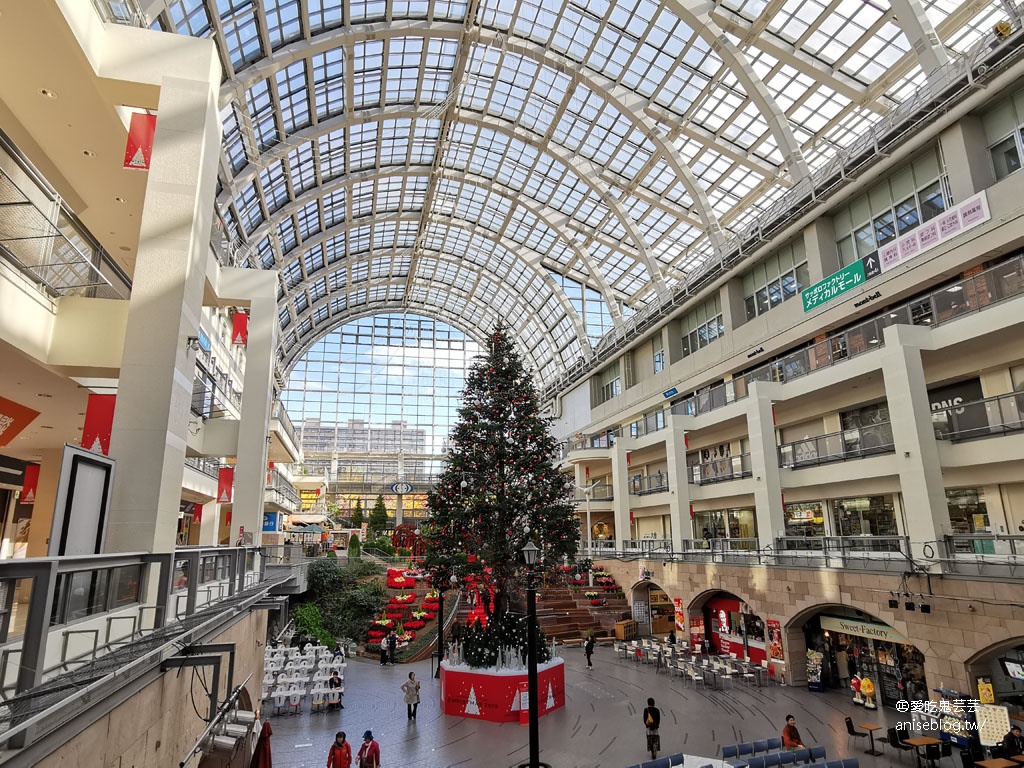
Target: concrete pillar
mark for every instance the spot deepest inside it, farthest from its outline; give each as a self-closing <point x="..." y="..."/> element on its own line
<point x="734" y="313"/>
<point x="157" y="368"/>
<point x="257" y="399"/>
<point x="764" y="460"/>
<point x="821" y="250"/>
<point x="206" y="535"/>
<point x="917" y="453"/>
<point x="965" y="152"/>
<point x="679" y="503"/>
<point x="620" y="482"/>
<point x="46" y="498"/>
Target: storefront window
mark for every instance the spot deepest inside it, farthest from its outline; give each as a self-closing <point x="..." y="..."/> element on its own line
<point x="967" y="510"/>
<point x="805" y="519"/>
<point x="742" y="524"/>
<point x="865" y="516"/>
<point x="726" y="524"/>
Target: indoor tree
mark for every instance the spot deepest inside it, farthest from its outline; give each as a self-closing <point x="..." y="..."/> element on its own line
<point x="500" y="486"/>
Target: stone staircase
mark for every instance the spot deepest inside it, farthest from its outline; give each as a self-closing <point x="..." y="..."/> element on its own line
<point x="568" y="616"/>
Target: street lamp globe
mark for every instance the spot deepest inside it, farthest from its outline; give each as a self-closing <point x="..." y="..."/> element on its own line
<point x="453" y="579"/>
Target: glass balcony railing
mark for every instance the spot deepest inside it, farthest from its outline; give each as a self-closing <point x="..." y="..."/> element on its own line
<point x="597" y="492"/>
<point x="838" y="446"/>
<point x="973" y="294"/>
<point x="990" y="417"/>
<point x="207" y="466"/>
<point x="652" y="422"/>
<point x="720" y="470"/>
<point x="644" y="485"/>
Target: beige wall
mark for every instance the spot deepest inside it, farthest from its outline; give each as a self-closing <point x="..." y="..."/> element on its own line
<point x="157" y="726"/>
<point x="968" y="617"/>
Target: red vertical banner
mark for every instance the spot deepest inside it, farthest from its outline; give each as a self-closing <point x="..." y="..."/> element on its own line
<point x="197" y="514"/>
<point x="225" y="481"/>
<point x="240" y="328"/>
<point x="99" y="422"/>
<point x="14" y="417"/>
<point x="30" y="484"/>
<point x="138" y="152"/>
<point x="587" y="471"/>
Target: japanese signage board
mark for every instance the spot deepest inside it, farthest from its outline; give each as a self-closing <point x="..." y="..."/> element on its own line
<point x="948" y="224"/>
<point x="846" y="279"/>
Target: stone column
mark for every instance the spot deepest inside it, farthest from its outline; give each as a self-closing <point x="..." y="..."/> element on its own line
<point x="620" y="481"/>
<point x="157" y="368"/>
<point x="965" y="151"/>
<point x="734" y="312"/>
<point x="46" y="498"/>
<point x="260" y="288"/>
<point x="679" y="504"/>
<point x="917" y="455"/>
<point x="764" y="460"/>
<point x="821" y="250"/>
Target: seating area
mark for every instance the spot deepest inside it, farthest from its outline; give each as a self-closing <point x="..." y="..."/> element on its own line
<point x="768" y="753"/>
<point x="700" y="670"/>
<point x="665" y="762"/>
<point x="291" y="676"/>
<point x="678" y="759"/>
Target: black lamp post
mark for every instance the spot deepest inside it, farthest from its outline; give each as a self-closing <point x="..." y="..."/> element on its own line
<point x="530" y="553"/>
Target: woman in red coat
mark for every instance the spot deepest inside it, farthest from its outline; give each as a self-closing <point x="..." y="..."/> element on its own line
<point x="340" y="755"/>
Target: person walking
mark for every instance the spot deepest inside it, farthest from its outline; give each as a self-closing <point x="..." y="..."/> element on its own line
<point x="383" y="651"/>
<point x="588" y="649"/>
<point x="411" y="689"/>
<point x="652" y="720"/>
<point x="340" y="753"/>
<point x="369" y="753"/>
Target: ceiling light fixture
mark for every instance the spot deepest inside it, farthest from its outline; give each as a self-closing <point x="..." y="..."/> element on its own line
<point x="88" y="153"/>
<point x="48" y="93"/>
<point x="120" y="200"/>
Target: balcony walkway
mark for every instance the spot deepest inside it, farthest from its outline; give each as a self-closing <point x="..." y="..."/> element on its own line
<point x="598" y="728"/>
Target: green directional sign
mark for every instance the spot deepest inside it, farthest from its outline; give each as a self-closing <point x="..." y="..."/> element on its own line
<point x="836" y="284"/>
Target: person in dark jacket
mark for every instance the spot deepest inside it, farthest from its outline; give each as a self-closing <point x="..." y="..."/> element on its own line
<point x="588" y="649"/>
<point x="652" y="720"/>
<point x="1013" y="743"/>
<point x="392" y="645"/>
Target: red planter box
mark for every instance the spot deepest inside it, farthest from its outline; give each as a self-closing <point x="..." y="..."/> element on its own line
<point x="492" y="695"/>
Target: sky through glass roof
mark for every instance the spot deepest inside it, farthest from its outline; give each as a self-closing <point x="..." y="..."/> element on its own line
<point x="561" y="165"/>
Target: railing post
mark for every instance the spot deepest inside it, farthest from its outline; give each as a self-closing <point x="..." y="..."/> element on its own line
<point x="194" y="563"/>
<point x="165" y="562"/>
<point x="33" y="647"/>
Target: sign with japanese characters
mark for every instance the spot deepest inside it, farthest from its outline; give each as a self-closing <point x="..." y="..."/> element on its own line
<point x="838" y="283"/>
<point x="948" y="224"/>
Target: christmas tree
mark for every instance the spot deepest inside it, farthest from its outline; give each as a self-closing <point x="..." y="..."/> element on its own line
<point x="378" y="517"/>
<point x="500" y="487"/>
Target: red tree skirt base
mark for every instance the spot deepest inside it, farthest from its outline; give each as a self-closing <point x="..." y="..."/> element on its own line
<point x="491" y="694"/>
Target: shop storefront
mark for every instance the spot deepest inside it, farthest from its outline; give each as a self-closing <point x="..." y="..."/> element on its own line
<point x="731" y="627"/>
<point x="846" y="647"/>
<point x="805" y="519"/>
<point x="186" y="513"/>
<point x="864" y="516"/>
<point x="726" y="523"/>
<point x="967" y="511"/>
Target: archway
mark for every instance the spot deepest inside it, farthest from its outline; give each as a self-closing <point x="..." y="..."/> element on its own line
<point x="725" y="623"/>
<point x="653" y="610"/>
<point x="997" y="675"/>
<point x="842" y="643"/>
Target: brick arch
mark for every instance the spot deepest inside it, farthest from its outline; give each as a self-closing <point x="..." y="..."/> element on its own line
<point x="1000" y="646"/>
<point x="698" y="600"/>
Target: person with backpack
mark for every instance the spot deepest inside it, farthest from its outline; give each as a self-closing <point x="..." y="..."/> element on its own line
<point x="588" y="649"/>
<point x="369" y="754"/>
<point x="652" y="719"/>
<point x="340" y="754"/>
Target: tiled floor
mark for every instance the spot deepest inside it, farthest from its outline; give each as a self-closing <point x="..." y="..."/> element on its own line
<point x="598" y="728"/>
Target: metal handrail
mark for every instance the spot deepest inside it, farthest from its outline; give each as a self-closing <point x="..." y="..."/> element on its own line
<point x="855" y="443"/>
<point x="988" y="417"/>
<point x="721" y="470"/>
<point x="647" y="484"/>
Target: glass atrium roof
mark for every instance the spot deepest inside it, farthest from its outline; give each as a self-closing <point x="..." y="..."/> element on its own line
<point x="561" y="164"/>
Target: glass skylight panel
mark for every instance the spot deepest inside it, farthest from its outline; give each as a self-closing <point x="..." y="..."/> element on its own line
<point x="338" y="280"/>
<point x="325" y="14"/>
<point x="367" y="10"/>
<point x="308" y="219"/>
<point x="189" y="17"/>
<point x="329" y="82"/>
<point x="282" y="21"/>
<point x="334" y="207"/>
<point x="368" y="63"/>
<point x="404" y="58"/>
<point x="332" y="154"/>
<point x="262" y="114"/>
<point x="286" y="236"/>
<point x="274" y="186"/>
<point x="238" y="19"/>
<point x="249" y="208"/>
<point x="292" y="274"/>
